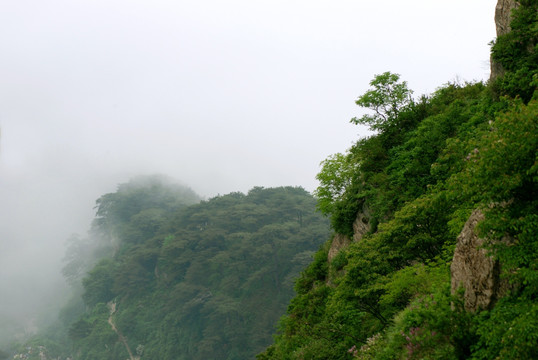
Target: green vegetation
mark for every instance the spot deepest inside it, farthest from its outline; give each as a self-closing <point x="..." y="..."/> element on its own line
<point x="165" y="276"/>
<point x="387" y="99"/>
<point x="517" y="53"/>
<point x="431" y="163"/>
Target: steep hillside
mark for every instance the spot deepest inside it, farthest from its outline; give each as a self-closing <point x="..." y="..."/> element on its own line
<point x="436" y="221"/>
<point x="179" y="281"/>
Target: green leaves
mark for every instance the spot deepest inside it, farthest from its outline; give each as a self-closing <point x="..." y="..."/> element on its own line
<point x="420" y="184"/>
<point x="205" y="281"/>
<point x="387" y="98"/>
<point x="99" y="282"/>
<point x="336" y="175"/>
<point x="509" y="331"/>
<point x="517" y="52"/>
<point x="136" y="210"/>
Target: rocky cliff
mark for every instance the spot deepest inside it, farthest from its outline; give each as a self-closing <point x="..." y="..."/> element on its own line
<point x="361" y="226"/>
<point x="473" y="269"/>
<point x="503" y="12"/>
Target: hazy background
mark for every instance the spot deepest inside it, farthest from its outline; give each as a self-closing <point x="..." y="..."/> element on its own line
<point x="222" y="95"/>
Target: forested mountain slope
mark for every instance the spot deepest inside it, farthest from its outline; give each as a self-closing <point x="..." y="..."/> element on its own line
<point x="450" y="179"/>
<point x="208" y="280"/>
<point x="434" y="252"/>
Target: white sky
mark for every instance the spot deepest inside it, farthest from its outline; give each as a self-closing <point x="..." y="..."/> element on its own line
<point x="222" y="95"/>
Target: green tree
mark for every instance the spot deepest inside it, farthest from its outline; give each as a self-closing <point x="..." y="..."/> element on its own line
<point x="192" y="282"/>
<point x="387" y="98"/>
<point x="335" y="177"/>
<point x="98" y="284"/>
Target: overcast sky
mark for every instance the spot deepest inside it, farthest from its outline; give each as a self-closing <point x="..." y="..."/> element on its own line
<point x="221" y="95"/>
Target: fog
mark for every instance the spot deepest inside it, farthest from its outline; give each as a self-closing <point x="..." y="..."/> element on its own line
<point x="221" y="95"/>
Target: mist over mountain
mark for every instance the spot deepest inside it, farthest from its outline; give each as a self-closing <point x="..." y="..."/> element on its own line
<point x="416" y="238"/>
<point x="164" y="275"/>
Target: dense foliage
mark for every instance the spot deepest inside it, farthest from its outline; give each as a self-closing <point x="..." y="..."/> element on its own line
<point x="517" y="53"/>
<point x="184" y="280"/>
<point x="161" y="276"/>
<point x="431" y="163"/>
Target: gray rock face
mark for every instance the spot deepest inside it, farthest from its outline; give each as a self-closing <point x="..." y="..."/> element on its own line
<point x="339" y="242"/>
<point x="502" y="23"/>
<point x="361" y="226"/>
<point x="473" y="269"/>
<point x="503" y="15"/>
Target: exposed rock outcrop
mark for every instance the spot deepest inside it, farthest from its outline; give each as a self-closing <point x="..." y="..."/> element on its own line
<point x="474" y="270"/>
<point x="361" y="226"/>
<point x="339" y="242"/>
<point x="503" y="12"/>
<point x="503" y="17"/>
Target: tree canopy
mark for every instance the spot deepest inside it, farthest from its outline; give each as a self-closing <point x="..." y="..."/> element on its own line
<point x="419" y="177"/>
<point x="387" y="98"/>
<point x="186" y="281"/>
